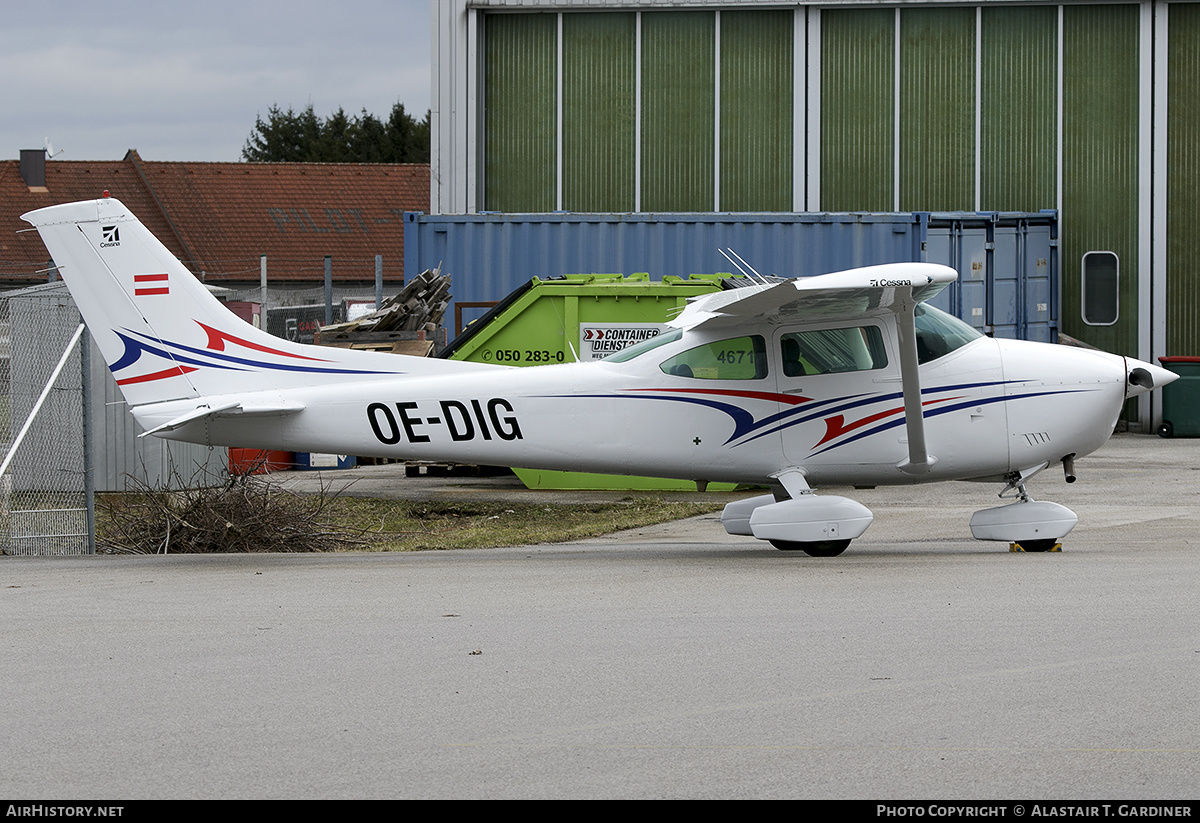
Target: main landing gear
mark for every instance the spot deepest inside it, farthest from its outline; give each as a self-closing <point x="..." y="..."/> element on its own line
<point x="820" y="526"/>
<point x="815" y="548"/>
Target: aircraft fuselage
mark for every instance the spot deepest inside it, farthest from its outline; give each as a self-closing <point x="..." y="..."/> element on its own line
<point x="990" y="407"/>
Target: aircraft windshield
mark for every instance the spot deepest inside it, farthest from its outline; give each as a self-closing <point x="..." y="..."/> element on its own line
<point x="939" y="333"/>
<point x="646" y="345"/>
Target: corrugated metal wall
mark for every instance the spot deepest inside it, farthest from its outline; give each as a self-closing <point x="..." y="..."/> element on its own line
<point x="937" y="121"/>
<point x="121" y="455"/>
<point x="1100" y="160"/>
<point x="937" y="109"/>
<point x="678" y="111"/>
<point x="858" y="109"/>
<point x="756" y="111"/>
<point x="1019" y="140"/>
<point x="599" y="112"/>
<point x="679" y="164"/>
<point x="520" y="143"/>
<point x="1183" y="180"/>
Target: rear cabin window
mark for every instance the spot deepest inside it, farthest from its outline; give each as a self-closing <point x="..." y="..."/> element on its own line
<point x="741" y="358"/>
<point x="832" y="351"/>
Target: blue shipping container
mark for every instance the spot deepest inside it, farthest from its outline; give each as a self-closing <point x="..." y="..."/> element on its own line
<point x="1007" y="262"/>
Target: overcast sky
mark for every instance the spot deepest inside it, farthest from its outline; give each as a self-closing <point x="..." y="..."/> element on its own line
<point x="185" y="81"/>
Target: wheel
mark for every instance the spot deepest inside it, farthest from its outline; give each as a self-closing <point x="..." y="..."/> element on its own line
<point x="1036" y="545"/>
<point x="1166" y="429"/>
<point x="820" y="548"/>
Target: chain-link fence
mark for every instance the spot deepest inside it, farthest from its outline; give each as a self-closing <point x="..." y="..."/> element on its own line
<point x="48" y="487"/>
<point x="45" y="495"/>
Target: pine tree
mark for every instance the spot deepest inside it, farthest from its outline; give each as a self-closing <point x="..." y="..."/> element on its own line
<point x="303" y="137"/>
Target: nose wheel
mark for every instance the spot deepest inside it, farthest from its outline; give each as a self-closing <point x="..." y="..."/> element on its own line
<point x="1037" y="545"/>
<point x="1034" y="525"/>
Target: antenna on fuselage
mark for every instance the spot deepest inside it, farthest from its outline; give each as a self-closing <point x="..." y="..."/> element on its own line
<point x="742" y="266"/>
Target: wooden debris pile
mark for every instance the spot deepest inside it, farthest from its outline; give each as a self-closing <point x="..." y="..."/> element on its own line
<point x="408" y="323"/>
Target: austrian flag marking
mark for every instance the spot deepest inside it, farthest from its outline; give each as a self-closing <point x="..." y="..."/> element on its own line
<point x="147" y="284"/>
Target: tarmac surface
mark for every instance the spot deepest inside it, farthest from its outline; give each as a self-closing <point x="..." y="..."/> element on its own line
<point x="674" y="661"/>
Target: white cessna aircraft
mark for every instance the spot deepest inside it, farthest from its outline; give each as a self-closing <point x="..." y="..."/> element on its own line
<point x="841" y="379"/>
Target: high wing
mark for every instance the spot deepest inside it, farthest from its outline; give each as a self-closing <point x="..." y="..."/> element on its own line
<point x="842" y="294"/>
<point x="895" y="286"/>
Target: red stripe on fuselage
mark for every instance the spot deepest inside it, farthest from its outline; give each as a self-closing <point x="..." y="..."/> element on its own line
<point x="788" y="399"/>
<point x="217" y="340"/>
<point x="158" y="375"/>
<point x="836" y="426"/>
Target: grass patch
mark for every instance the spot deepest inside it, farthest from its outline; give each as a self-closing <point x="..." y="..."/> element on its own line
<point x="390" y="525"/>
<point x="252" y="514"/>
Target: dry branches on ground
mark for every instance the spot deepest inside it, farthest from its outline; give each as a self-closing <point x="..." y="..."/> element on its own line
<point x="245" y="514"/>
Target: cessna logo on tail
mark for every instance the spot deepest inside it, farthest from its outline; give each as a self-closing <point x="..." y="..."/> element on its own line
<point x="109" y="236"/>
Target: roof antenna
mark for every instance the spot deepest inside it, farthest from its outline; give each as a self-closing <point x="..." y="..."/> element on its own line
<point x="50" y="152"/>
<point x="738" y="264"/>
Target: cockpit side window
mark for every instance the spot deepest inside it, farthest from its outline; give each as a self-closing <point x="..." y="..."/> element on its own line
<point x="832" y="351"/>
<point x="939" y="333"/>
<point x="740" y="358"/>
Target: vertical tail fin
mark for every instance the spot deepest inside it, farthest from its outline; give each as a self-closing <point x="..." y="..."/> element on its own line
<point x="163" y="335"/>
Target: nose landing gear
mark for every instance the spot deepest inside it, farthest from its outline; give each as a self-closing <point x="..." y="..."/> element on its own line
<point x="1034" y="525"/>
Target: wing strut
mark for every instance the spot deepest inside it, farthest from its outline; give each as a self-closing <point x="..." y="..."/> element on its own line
<point x="919" y="461"/>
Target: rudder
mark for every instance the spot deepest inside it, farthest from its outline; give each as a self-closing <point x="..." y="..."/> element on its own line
<point x="163" y="335"/>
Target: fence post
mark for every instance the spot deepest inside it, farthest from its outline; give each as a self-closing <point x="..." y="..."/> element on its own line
<point x="378" y="281"/>
<point x="262" y="302"/>
<point x="328" y="290"/>
<point x="89" y="443"/>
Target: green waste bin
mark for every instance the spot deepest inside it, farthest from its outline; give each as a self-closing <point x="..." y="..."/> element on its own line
<point x="1181" y="399"/>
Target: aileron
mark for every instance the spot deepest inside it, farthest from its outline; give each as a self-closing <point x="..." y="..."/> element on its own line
<point x="842" y="294"/>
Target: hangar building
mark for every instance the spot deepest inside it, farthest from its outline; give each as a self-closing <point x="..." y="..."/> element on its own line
<point x="617" y="106"/>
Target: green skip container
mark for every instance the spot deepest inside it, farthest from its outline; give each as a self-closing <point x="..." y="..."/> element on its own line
<point x="1181" y="399"/>
<point x="580" y="317"/>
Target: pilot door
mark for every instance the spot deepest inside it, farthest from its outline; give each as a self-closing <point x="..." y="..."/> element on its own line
<point x="844" y="402"/>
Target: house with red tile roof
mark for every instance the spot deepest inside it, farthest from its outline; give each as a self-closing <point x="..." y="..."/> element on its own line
<point x="219" y="218"/>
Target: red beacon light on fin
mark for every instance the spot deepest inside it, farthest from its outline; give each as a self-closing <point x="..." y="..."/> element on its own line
<point x="105" y="195"/>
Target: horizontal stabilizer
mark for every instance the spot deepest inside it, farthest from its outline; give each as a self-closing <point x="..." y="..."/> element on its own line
<point x="235" y="407"/>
